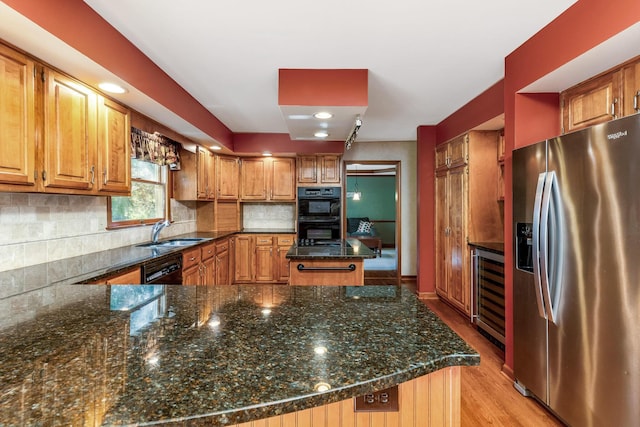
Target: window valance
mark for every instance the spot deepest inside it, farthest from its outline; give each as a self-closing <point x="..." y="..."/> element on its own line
<point x="155" y="148"/>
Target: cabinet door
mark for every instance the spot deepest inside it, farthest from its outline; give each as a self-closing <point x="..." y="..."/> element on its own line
<point x="593" y="102"/>
<point x="254" y="179"/>
<point x="330" y="169"/>
<point x="222" y="268"/>
<point x="458" y="257"/>
<point x="191" y="276"/>
<point x="114" y="147"/>
<point x="17" y="122"/>
<point x="228" y="178"/>
<point x="283" y="264"/>
<point x="458" y="151"/>
<point x="202" y="181"/>
<point x="70" y="133"/>
<point x="283" y="185"/>
<point x="442" y="157"/>
<point x="307" y="168"/>
<point x="209" y="272"/>
<point x="243" y="258"/>
<point x="264" y="263"/>
<point x="441" y="233"/>
<point x="631" y="88"/>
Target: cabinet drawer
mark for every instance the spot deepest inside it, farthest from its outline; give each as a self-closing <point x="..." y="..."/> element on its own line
<point x="222" y="246"/>
<point x="264" y="240"/>
<point x="208" y="250"/>
<point x="190" y="257"/>
<point x="285" y="240"/>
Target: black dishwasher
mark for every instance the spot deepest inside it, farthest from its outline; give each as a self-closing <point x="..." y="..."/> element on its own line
<point x="166" y="270"/>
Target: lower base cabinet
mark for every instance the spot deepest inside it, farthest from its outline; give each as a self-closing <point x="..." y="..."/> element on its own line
<point x="261" y="258"/>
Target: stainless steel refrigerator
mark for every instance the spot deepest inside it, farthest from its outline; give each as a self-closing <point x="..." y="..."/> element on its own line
<point x="576" y="284"/>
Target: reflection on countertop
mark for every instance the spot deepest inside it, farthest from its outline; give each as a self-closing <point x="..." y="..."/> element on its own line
<point x="117" y="355"/>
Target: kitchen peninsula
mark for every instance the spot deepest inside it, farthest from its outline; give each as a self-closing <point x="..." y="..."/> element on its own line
<point x="335" y="264"/>
<point x="227" y="355"/>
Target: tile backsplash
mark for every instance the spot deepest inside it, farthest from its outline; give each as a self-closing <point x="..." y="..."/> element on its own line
<point x="38" y="228"/>
<point x="269" y="215"/>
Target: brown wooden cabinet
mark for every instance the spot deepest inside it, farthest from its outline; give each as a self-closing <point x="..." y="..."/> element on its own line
<point x="17" y="109"/>
<point x="59" y="135"/>
<point x="222" y="262"/>
<point x="114" y="147"/>
<point x="466" y="210"/>
<point x="228" y="177"/>
<point x="607" y="96"/>
<point x="259" y="257"/>
<point x="196" y="178"/>
<point x="70" y="137"/>
<point x="264" y="261"/>
<point x="283" y="244"/>
<point x="243" y="258"/>
<point x="199" y="265"/>
<point x="267" y="179"/>
<point x="322" y="169"/>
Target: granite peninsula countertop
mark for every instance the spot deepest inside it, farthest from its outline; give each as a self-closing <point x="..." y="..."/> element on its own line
<point x="213" y="355"/>
<point x="346" y="249"/>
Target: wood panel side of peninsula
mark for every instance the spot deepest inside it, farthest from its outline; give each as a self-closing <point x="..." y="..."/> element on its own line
<point x="431" y="400"/>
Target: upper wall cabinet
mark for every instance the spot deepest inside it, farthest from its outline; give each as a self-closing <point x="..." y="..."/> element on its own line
<point x="196" y="178"/>
<point x="324" y="169"/>
<point x="228" y="176"/>
<point x="268" y="178"/>
<point x="17" y="120"/>
<point x="608" y="96"/>
<point x="58" y="135"/>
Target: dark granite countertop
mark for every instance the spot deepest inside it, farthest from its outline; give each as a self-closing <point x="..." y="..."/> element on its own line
<point x="93" y="266"/>
<point x="347" y="249"/>
<point x="213" y="356"/>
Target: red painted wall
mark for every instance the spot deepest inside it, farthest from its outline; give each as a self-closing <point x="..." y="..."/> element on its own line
<point x="331" y="87"/>
<point x="486" y="106"/>
<point x="281" y="143"/>
<point x="80" y="27"/>
<point x="426" y="144"/>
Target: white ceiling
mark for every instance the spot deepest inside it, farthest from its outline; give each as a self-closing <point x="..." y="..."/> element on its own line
<point x="425" y="59"/>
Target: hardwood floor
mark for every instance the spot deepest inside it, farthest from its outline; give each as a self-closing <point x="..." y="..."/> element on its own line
<point x="380" y="277"/>
<point x="488" y="396"/>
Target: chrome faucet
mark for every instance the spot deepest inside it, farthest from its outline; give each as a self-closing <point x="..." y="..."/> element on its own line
<point x="157" y="227"/>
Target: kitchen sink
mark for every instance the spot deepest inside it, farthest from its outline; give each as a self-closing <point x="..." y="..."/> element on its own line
<point x="172" y="243"/>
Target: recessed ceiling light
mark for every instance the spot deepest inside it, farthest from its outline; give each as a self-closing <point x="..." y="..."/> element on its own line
<point x="216" y="147"/>
<point x="111" y="87"/>
<point x="321" y="134"/>
<point x="323" y="115"/>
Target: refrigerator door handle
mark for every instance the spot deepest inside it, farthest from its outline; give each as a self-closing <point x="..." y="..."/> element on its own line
<point x="537" y="206"/>
<point x="551" y="232"/>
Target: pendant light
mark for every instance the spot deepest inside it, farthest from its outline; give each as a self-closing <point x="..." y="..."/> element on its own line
<point x="356" y="194"/>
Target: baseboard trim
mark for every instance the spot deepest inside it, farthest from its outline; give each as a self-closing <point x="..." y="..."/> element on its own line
<point x="508" y="372"/>
<point x="412" y="279"/>
<point x="427" y="295"/>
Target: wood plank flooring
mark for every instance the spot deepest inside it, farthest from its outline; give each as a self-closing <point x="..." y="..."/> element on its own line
<point x="488" y="396"/>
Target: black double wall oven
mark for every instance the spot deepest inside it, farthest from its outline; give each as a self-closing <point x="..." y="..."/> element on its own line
<point x="319" y="215"/>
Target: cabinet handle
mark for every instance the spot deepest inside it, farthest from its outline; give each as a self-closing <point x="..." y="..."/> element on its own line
<point x="635" y="101"/>
<point x="93" y="174"/>
<point x="104" y="174"/>
<point x="613" y="107"/>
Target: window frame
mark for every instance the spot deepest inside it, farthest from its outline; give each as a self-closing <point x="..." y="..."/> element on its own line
<point x="167" y="178"/>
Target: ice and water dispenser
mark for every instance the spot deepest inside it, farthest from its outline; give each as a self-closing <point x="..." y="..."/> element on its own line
<point x="524" y="246"/>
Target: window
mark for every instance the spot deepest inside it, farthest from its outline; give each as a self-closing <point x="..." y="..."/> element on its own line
<point x="149" y="200"/>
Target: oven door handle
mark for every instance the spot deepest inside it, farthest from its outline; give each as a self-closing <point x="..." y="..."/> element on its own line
<point x="350" y="267"/>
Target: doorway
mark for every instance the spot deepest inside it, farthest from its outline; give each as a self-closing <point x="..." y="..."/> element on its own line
<point x="372" y="194"/>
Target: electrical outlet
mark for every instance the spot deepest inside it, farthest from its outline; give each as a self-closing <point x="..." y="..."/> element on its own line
<point x="378" y="401"/>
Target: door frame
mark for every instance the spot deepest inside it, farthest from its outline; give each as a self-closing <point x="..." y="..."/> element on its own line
<point x="398" y="226"/>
